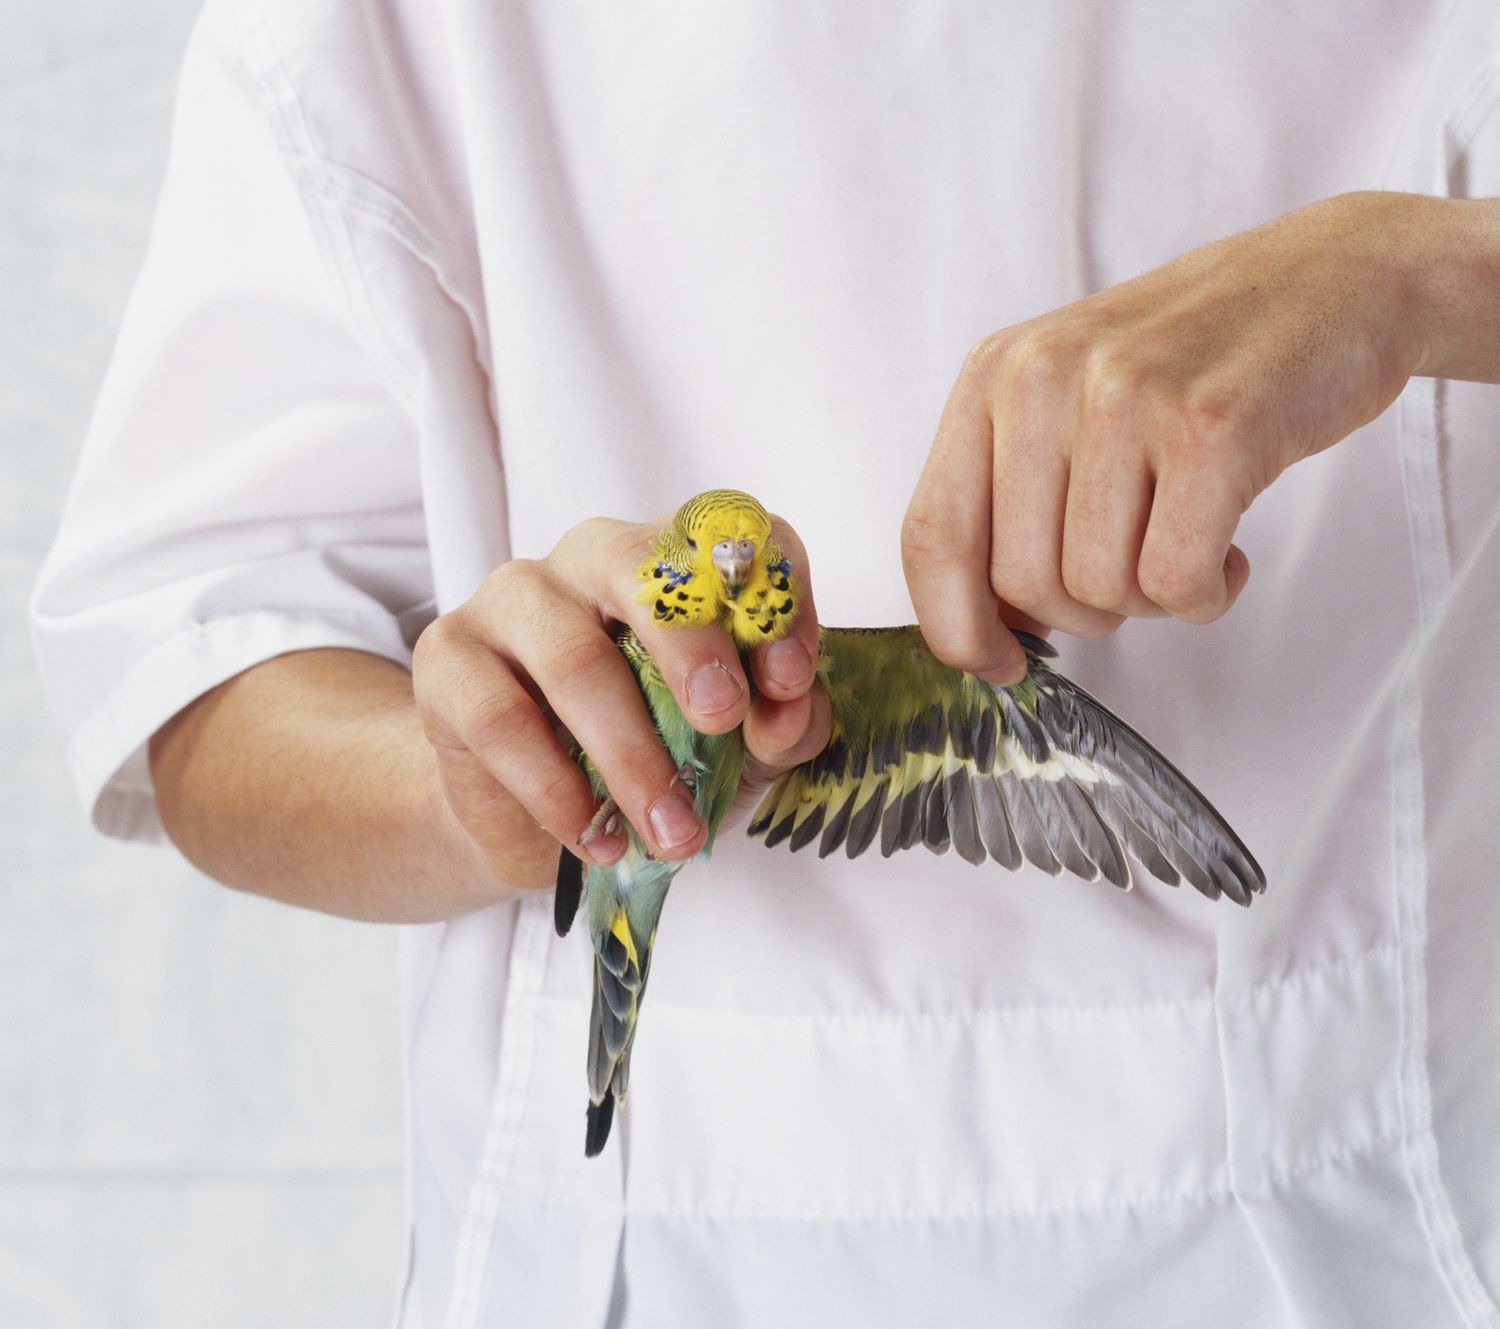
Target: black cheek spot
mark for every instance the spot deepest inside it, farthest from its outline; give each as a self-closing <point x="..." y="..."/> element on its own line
<point x="764" y="627"/>
<point x="661" y="608"/>
<point x="682" y="595"/>
<point x="783" y="585"/>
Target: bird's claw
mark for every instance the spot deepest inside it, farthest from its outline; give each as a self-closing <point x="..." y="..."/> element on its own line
<point x="606" y="821"/>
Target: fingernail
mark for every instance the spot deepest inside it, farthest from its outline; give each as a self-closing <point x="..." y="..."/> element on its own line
<point x="673" y="822"/>
<point x="606" y="849"/>
<point x="711" y="688"/>
<point x="788" y="662"/>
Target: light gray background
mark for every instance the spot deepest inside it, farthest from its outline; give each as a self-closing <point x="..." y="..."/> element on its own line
<point x="200" y="1119"/>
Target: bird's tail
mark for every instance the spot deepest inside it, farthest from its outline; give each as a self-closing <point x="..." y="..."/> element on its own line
<point x="625" y="903"/>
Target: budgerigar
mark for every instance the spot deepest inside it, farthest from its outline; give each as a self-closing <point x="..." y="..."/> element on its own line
<point x="920" y="753"/>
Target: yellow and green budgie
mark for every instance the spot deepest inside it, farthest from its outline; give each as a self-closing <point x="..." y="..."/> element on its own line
<point x="920" y="753"/>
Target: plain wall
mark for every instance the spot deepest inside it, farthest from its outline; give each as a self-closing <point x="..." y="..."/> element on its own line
<point x="200" y="1118"/>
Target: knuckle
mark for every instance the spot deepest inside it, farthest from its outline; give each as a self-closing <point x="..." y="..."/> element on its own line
<point x="927" y="537"/>
<point x="1094" y="582"/>
<point x="437" y="659"/>
<point x="1040" y="364"/>
<point x="1172" y="582"/>
<point x="557" y="798"/>
<point x="512" y="581"/>
<point x="1022" y="584"/>
<point x="578" y="662"/>
<point x="433" y="643"/>
<point x="1116" y="384"/>
<point x="498" y="720"/>
<point x="984" y="359"/>
<point x="1211" y="426"/>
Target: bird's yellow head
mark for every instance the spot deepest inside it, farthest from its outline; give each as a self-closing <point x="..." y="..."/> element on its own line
<point x="717" y="563"/>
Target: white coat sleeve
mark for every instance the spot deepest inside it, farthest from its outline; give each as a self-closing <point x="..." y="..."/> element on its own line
<point x="248" y="486"/>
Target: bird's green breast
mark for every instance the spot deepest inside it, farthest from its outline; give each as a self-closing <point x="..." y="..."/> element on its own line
<point x="716" y="758"/>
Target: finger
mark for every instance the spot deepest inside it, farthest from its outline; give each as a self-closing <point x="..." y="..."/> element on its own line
<point x="1110" y="485"/>
<point x="587" y="681"/>
<point x="522" y="851"/>
<point x="491" y="737"/>
<point x="702" y="669"/>
<point x="785" y="668"/>
<point x="699" y="664"/>
<point x="1188" y="565"/>
<point x="783" y="734"/>
<point x="1031" y="482"/>
<point x="945" y="540"/>
<point x="778" y="736"/>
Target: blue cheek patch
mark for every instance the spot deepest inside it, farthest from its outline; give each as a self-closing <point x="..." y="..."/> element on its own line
<point x="674" y="578"/>
<point x="783" y="567"/>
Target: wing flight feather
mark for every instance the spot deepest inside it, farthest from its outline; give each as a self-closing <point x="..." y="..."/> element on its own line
<point x="1041" y="772"/>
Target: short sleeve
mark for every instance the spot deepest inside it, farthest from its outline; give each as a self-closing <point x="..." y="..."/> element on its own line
<point x="248" y="487"/>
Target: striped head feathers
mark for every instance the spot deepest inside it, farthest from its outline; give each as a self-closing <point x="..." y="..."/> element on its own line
<point x="717" y="563"/>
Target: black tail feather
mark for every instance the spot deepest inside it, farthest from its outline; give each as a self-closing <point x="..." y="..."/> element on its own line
<point x="600" y="1117"/>
<point x="569" y="890"/>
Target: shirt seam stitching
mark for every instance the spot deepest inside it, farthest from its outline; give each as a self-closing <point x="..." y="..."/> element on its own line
<point x="1296" y="1172"/>
<point x="1340" y="964"/>
<point x="331" y="193"/>
<point x="200" y="632"/>
<point x="1459" y="121"/>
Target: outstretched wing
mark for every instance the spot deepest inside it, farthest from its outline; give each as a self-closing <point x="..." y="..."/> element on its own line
<point x="925" y="754"/>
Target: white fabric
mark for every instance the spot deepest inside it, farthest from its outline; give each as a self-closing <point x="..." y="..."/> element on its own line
<point x="434" y="282"/>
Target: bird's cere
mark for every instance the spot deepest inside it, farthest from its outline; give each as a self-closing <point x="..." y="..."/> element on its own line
<point x="733" y="559"/>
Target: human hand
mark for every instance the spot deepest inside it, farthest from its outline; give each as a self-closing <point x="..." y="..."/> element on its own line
<point x="534" y="642"/>
<point x="1093" y="463"/>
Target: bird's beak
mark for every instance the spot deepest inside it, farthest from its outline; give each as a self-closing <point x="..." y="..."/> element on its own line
<point x="734" y="571"/>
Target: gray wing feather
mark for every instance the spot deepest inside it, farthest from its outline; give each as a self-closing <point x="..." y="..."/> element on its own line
<point x="1068" y="784"/>
<point x="963" y="820"/>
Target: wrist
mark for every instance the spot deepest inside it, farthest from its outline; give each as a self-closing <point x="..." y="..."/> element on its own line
<point x="453" y="853"/>
<point x="1451" y="260"/>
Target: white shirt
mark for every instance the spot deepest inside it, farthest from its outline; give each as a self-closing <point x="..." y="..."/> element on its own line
<point x="432" y="283"/>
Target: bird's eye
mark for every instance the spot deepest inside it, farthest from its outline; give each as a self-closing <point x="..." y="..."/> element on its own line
<point x="691" y="543"/>
<point x="747" y="549"/>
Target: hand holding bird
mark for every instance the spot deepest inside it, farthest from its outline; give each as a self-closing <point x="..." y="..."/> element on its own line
<point x="534" y="646"/>
<point x="919" y="753"/>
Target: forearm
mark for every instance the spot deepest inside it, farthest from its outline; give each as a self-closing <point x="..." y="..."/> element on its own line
<point x="308" y="779"/>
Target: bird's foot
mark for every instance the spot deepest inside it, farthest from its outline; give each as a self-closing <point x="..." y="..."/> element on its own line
<point x="687" y="777"/>
<point x="606" y="821"/>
